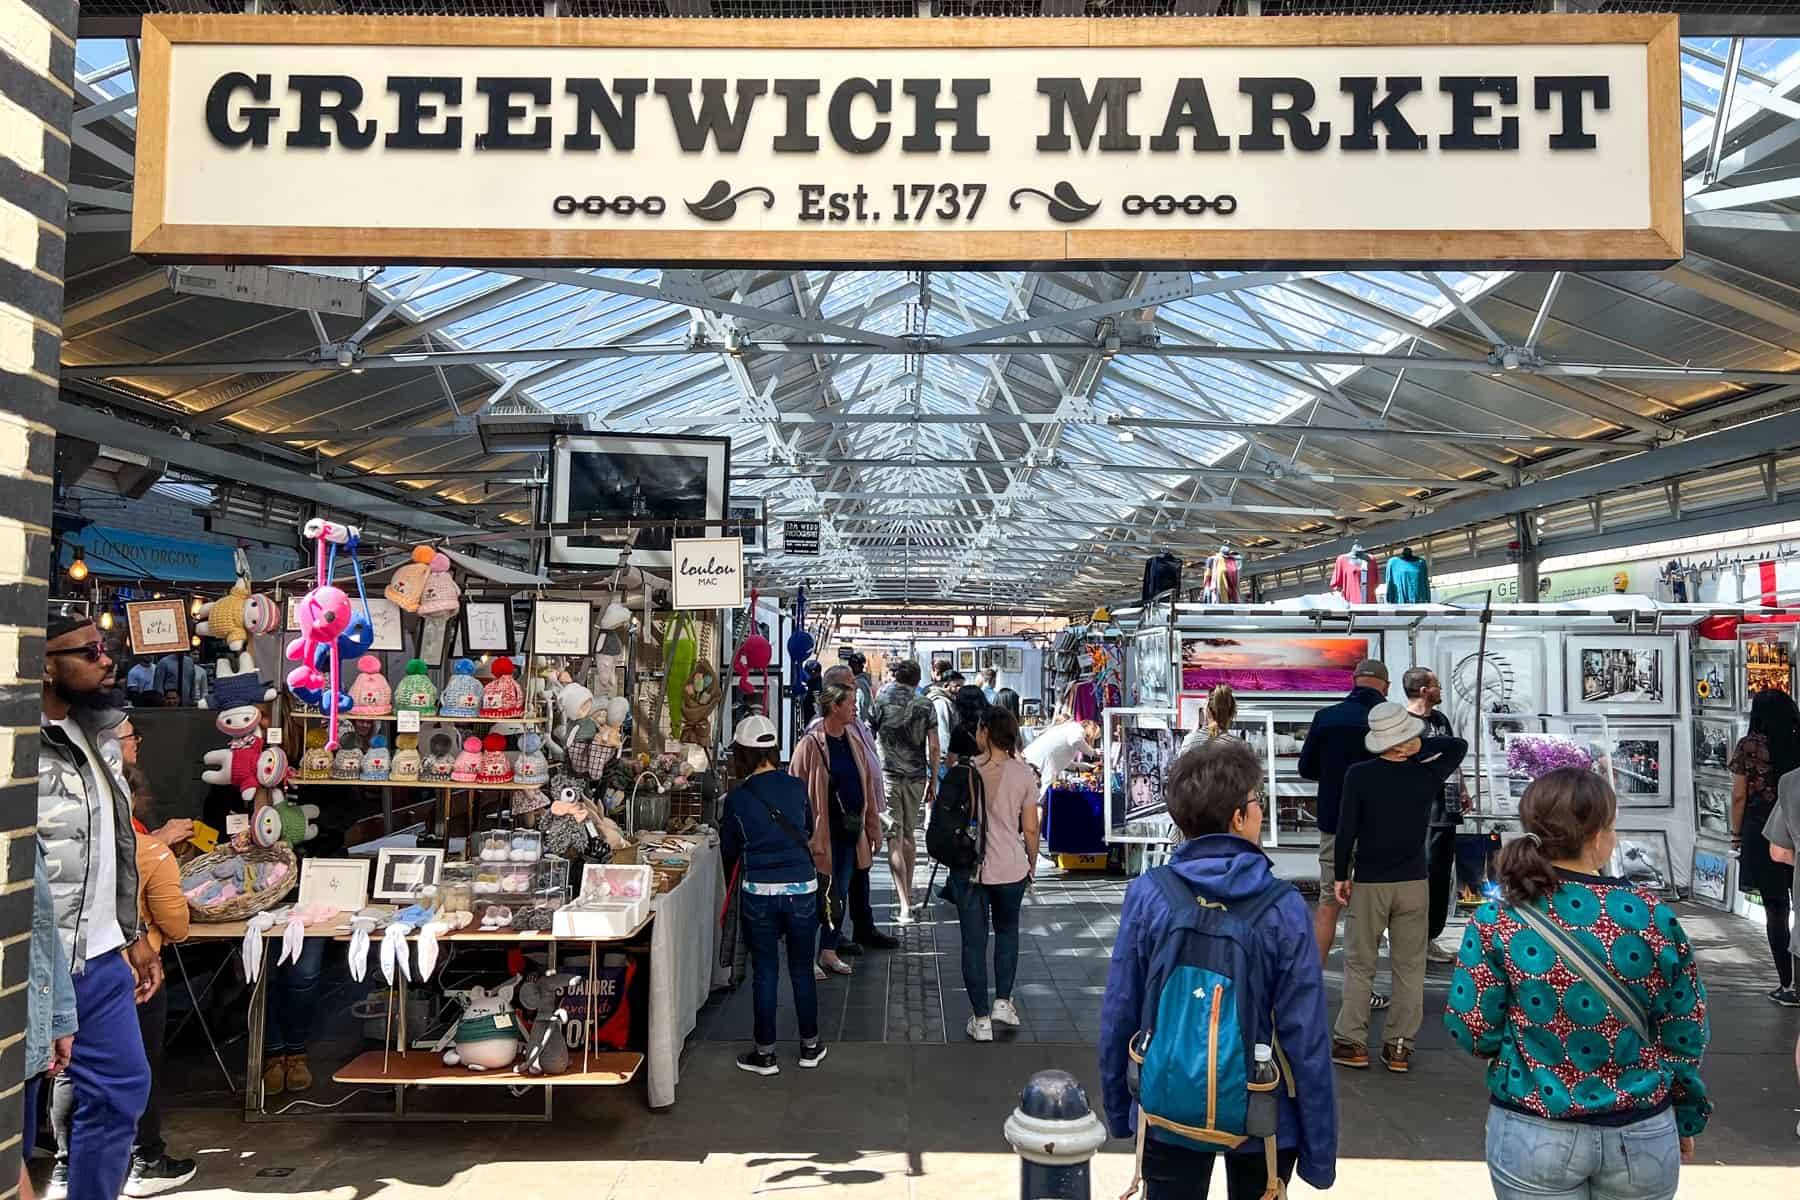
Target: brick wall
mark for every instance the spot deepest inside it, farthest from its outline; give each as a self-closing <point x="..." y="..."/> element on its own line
<point x="37" y="64"/>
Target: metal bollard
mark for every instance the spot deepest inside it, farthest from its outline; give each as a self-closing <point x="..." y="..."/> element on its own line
<point x="1055" y="1133"/>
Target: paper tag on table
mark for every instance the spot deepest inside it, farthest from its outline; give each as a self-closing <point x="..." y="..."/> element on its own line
<point x="407" y="721"/>
<point x="235" y="823"/>
<point x="272" y="737"/>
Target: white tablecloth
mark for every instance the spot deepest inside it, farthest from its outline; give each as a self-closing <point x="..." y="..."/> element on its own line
<point x="683" y="949"/>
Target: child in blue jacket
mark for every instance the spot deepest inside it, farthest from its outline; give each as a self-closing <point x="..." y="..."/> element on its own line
<point x="1213" y="797"/>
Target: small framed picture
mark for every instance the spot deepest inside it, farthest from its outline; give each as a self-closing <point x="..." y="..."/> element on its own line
<point x="384" y="615"/>
<point x="157" y="626"/>
<point x="562" y="627"/>
<point x="965" y="659"/>
<point x="340" y="883"/>
<point x="750" y="514"/>
<point x="487" y="627"/>
<point x="1015" y="660"/>
<point x="993" y="657"/>
<point x="1714" y="870"/>
<point x="1031" y="708"/>
<point x="945" y="658"/>
<point x="1641" y="859"/>
<point x="292" y="621"/>
<point x="434" y="640"/>
<point x="400" y="873"/>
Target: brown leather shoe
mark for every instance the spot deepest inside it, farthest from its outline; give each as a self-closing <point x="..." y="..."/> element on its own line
<point x="1349" y="1054"/>
<point x="299" y="1075"/>
<point x="275" y="1075"/>
<point x="1397" y="1057"/>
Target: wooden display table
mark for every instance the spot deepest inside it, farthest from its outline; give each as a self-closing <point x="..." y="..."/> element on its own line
<point x="423" y="1068"/>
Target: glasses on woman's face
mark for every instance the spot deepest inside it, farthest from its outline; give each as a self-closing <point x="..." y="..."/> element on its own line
<point x="131" y="736"/>
<point x="92" y="651"/>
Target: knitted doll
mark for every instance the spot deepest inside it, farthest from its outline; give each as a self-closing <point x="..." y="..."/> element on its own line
<point x="370" y="695"/>
<point x="407" y="764"/>
<point x="416" y="692"/>
<point x="531" y="766"/>
<point x="462" y="695"/>
<point x="503" y="697"/>
<point x="407" y="587"/>
<point x="493" y="766"/>
<point x="439" y="764"/>
<point x="376" y="764"/>
<point x="467" y="768"/>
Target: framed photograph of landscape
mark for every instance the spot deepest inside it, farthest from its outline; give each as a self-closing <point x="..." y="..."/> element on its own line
<point x="1768" y="662"/>
<point x="1502" y="683"/>
<point x="1275" y="664"/>
<point x="1620" y="676"/>
<point x="1713" y="739"/>
<point x="1642" y="758"/>
<point x="1714" y="878"/>
<point x="640" y="492"/>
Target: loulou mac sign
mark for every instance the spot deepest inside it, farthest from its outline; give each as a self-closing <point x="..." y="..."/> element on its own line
<point x="1355" y="140"/>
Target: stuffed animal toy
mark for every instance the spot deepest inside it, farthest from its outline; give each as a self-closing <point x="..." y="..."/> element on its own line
<point x="292" y="823"/>
<point x="800" y="643"/>
<point x="547" y="1049"/>
<point x="416" y="692"/>
<point x="531" y="766"/>
<point x="370" y="695"/>
<point x="462" y="695"/>
<point x="503" y="697"/>
<point x="485" y="1036"/>
<point x="565" y="823"/>
<point x="493" y="766"/>
<point x="407" y="762"/>
<point x="238" y="696"/>
<point x="407" y="588"/>
<point x="467" y="768"/>
<point x="703" y="693"/>
<point x="376" y="764"/>
<point x="239" y="614"/>
<point x="325" y="615"/>
<point x="442" y="597"/>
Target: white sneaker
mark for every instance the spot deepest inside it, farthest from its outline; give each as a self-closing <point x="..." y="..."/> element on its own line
<point x="980" y="1028"/>
<point x="1437" y="954"/>
<point x="905" y="917"/>
<point x="1005" y="1013"/>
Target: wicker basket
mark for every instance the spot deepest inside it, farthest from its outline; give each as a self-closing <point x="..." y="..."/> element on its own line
<point x="240" y="908"/>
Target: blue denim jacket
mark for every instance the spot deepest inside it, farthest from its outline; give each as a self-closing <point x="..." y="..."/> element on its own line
<point x="50" y="994"/>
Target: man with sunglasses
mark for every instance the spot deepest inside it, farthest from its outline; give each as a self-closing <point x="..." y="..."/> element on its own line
<point x="84" y="819"/>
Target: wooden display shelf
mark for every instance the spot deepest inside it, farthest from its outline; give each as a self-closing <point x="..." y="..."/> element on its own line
<point x="424" y="718"/>
<point x="420" y="785"/>
<point x="422" y="1067"/>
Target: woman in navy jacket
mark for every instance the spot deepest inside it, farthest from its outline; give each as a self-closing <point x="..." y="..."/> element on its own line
<point x="1213" y="798"/>
<point x="768" y="822"/>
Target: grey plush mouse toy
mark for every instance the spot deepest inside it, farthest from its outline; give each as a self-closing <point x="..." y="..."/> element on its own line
<point x="547" y="1050"/>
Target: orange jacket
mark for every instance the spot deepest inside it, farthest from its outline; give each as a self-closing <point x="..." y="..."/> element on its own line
<point x="160" y="900"/>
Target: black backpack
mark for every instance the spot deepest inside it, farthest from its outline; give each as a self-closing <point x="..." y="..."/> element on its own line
<point x="961" y="803"/>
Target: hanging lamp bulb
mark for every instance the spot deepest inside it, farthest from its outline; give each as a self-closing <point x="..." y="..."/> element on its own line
<point x="106" y="619"/>
<point x="78" y="568"/>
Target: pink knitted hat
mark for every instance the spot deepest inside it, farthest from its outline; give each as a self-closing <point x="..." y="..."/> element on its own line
<point x="371" y="695"/>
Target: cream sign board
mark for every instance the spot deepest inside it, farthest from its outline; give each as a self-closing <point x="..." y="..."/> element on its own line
<point x="1354" y="140"/>
<point x="707" y="573"/>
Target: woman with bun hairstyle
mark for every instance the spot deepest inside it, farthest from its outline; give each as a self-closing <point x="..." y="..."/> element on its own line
<point x="1581" y="993"/>
<point x="1221" y="711"/>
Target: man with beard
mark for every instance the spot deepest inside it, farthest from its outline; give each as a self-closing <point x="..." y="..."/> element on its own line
<point x="84" y="819"/>
<point x="867" y="935"/>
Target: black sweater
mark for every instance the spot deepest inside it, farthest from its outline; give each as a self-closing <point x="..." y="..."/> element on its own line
<point x="1387" y="806"/>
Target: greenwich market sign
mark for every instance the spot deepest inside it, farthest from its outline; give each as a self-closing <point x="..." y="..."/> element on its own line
<point x="1349" y="140"/>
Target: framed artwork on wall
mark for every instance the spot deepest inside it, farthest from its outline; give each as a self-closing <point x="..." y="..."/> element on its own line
<point x="965" y="659"/>
<point x="401" y="872"/>
<point x="157" y="626"/>
<point x="1715" y="680"/>
<point x="434" y="640"/>
<point x="1713" y="741"/>
<point x="562" y="627"/>
<point x="1620" y="676"/>
<point x="384" y="615"/>
<point x="1768" y="662"/>
<point x="1015" y="660"/>
<point x="487" y="627"/>
<point x="1506" y="680"/>
<point x="1290" y="665"/>
<point x="1642" y="859"/>
<point x="1643" y="765"/>
<point x="645" y="491"/>
<point x="753" y="512"/>
<point x="1714" y="881"/>
<point x="1712" y="806"/>
<point x="943" y="658"/>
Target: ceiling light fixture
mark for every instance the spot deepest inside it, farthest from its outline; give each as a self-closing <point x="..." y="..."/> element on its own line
<point x="78" y="568"/>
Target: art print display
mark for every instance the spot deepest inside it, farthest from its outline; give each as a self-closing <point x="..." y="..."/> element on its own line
<point x="1274" y="663"/>
<point x="1768" y="660"/>
<point x="1715" y="680"/>
<point x="400" y="872"/>
<point x="1642" y="859"/>
<point x="965" y="659"/>
<point x="434" y="640"/>
<point x="641" y="493"/>
<point x="1015" y="660"/>
<point x="1500" y="685"/>
<point x="384" y="617"/>
<point x="340" y="883"/>
<point x="1713" y="740"/>
<point x="562" y="627"/>
<point x="749" y="515"/>
<point x="1642" y="759"/>
<point x="1154" y="670"/>
<point x="157" y="626"/>
<point x="1712" y="876"/>
<point x="1148" y="755"/>
<point x="1712" y="806"/>
<point x="942" y="658"/>
<point x="1031" y="708"/>
<point x="1620" y="675"/>
<point x="487" y="627"/>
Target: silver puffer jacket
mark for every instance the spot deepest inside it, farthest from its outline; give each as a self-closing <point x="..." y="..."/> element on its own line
<point x="66" y="815"/>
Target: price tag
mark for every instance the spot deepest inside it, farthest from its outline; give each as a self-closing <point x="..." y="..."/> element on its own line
<point x="272" y="736"/>
<point x="502" y="1021"/>
<point x="407" y="721"/>
<point x="408" y="874"/>
<point x="236" y="823"/>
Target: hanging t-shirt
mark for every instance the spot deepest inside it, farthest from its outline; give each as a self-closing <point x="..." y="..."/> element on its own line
<point x="1353" y="578"/>
<point x="101" y="903"/>
<point x="1408" y="581"/>
<point x="1221" y="584"/>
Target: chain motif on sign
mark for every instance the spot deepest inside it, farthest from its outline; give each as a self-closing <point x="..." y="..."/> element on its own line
<point x="1166" y="205"/>
<point x="597" y="206"/>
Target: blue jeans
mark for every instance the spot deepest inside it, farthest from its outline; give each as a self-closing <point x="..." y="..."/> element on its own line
<point x="110" y="1078"/>
<point x="843" y="866"/>
<point x="770" y="922"/>
<point x="1530" y="1158"/>
<point x="293" y="998"/>
<point x="975" y="902"/>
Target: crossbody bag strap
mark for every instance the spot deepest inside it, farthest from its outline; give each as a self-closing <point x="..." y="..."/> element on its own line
<point x="1581" y="961"/>
<point x="780" y="819"/>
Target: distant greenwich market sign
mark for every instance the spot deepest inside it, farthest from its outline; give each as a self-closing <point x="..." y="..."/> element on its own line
<point x="1332" y="140"/>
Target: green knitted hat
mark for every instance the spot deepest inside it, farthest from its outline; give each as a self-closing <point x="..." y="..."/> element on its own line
<point x="415" y="691"/>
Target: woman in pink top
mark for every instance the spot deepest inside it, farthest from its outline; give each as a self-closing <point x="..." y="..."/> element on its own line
<point x="998" y="882"/>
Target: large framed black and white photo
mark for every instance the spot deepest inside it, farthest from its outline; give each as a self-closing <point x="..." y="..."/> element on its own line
<point x="1620" y="676"/>
<point x="645" y="491"/>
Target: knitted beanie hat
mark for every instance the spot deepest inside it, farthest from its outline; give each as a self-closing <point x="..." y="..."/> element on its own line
<point x="376" y="764"/>
<point x="315" y="759"/>
<point x="370" y="695"/>
<point x="440" y="756"/>
<point x="503" y="697"/>
<point x="407" y="587"/>
<point x="494" y="767"/>
<point x="407" y="763"/>
<point x="441" y="596"/>
<point x="348" y="763"/>
<point x="461" y="696"/>
<point x="532" y="766"/>
<point x="416" y="692"/>
<point x="466" y="768"/>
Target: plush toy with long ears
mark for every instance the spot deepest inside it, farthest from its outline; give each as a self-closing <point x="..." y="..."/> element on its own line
<point x="325" y="615"/>
<point x="753" y="653"/>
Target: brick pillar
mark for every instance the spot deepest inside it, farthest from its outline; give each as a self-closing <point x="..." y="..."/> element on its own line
<point x="37" y="68"/>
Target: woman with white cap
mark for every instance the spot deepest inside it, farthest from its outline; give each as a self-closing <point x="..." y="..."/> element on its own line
<point x="768" y="823"/>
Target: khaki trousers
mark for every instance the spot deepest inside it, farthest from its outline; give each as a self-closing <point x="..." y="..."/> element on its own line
<point x="1403" y="910"/>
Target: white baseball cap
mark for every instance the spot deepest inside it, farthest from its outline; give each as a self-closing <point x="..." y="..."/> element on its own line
<point x="757" y="732"/>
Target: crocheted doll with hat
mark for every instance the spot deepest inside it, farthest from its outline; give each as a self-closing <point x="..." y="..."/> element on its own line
<point x="370" y="695"/>
<point x="462" y="695"/>
<point x="467" y="768"/>
<point x="416" y="692"/>
<point x="532" y="765"/>
<point x="494" y="766"/>
<point x="407" y="587"/>
<point x="407" y="762"/>
<point x="503" y="697"/>
<point x="376" y="763"/>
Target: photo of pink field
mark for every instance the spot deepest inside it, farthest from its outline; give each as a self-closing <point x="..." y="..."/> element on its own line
<point x="1272" y="663"/>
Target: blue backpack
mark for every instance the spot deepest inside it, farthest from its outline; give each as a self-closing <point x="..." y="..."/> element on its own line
<point x="1208" y="998"/>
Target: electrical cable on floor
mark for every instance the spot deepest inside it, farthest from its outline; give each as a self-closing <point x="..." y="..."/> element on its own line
<point x="292" y="1104"/>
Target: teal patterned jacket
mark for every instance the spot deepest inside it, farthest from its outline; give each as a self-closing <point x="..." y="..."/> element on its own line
<point x="1554" y="1048"/>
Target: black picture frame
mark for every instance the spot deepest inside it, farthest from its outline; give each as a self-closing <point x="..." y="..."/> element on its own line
<point x="488" y="614"/>
<point x="606" y="476"/>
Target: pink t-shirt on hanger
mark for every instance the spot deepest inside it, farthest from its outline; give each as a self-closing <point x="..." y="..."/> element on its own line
<point x="1354" y="578"/>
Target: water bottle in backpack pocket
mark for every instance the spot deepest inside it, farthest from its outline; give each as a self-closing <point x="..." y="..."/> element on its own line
<point x="1193" y="1065"/>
